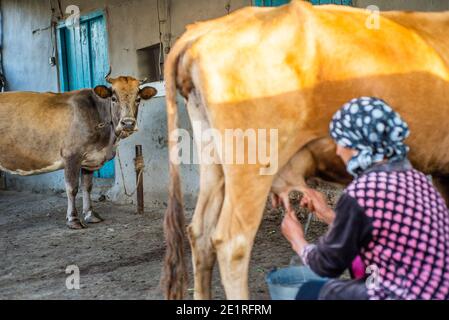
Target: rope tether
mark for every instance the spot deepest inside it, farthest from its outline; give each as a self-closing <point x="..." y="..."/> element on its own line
<point x="139" y="167"/>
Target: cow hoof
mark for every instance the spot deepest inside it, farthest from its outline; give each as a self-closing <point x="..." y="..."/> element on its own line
<point x="92" y="217"/>
<point x="76" y="225"/>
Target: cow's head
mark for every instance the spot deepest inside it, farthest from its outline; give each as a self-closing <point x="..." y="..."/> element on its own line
<point x="125" y="94"/>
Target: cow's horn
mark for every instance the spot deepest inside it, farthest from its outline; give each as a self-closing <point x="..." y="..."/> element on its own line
<point x="107" y="77"/>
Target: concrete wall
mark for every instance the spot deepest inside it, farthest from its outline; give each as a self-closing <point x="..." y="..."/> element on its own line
<point x="132" y="24"/>
<point x="25" y="63"/>
<point x="25" y="54"/>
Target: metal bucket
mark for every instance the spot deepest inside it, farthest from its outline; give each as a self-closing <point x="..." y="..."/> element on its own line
<point x="284" y="283"/>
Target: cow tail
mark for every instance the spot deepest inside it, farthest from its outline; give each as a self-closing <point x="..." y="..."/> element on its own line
<point x="174" y="280"/>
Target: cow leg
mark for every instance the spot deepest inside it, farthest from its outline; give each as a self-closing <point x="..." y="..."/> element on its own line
<point x="442" y="184"/>
<point x="204" y="220"/>
<point x="90" y="216"/>
<point x="72" y="175"/>
<point x="234" y="235"/>
<point x="208" y="207"/>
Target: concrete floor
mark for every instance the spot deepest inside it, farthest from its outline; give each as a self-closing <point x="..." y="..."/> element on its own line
<point x="116" y="258"/>
<point x="120" y="258"/>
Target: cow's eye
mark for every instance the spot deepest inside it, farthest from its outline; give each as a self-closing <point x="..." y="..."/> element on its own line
<point x="114" y="99"/>
<point x="138" y="100"/>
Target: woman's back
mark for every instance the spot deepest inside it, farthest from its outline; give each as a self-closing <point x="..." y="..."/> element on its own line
<point x="409" y="248"/>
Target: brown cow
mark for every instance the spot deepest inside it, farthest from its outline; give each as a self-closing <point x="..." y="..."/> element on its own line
<point x="75" y="131"/>
<point x="290" y="68"/>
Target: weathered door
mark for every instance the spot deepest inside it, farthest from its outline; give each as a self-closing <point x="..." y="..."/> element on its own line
<point x="83" y="56"/>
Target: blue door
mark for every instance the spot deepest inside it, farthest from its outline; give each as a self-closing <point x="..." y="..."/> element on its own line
<point x="270" y="3"/>
<point x="274" y="3"/>
<point x="83" y="60"/>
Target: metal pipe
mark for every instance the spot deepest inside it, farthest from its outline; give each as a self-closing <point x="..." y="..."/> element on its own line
<point x="138" y="163"/>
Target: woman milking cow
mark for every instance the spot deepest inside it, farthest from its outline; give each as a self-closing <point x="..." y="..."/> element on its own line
<point x="390" y="221"/>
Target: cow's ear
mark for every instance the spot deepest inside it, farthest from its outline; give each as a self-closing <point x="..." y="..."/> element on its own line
<point x="147" y="92"/>
<point x="103" y="92"/>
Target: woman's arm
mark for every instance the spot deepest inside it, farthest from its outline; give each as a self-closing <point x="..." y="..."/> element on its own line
<point x="350" y="231"/>
<point x="291" y="227"/>
<point x="316" y="203"/>
<point x="334" y="252"/>
<point x="292" y="230"/>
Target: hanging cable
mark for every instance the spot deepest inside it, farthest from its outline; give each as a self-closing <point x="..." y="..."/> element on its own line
<point x="2" y="77"/>
<point x="61" y="15"/>
<point x="228" y="7"/>
<point x="160" y="42"/>
<point x="168" y="28"/>
<point x="52" y="55"/>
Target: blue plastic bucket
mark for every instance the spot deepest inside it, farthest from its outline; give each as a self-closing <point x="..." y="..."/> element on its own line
<point x="284" y="283"/>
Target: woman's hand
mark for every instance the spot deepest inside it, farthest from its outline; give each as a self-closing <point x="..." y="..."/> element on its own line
<point x="315" y="202"/>
<point x="292" y="230"/>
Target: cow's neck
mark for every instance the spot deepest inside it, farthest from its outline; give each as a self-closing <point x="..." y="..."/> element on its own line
<point x="105" y="112"/>
<point x="107" y="119"/>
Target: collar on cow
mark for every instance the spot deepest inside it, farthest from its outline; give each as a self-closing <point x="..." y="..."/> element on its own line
<point x="101" y="125"/>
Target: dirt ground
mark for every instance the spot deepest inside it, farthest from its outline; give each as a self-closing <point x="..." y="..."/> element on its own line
<point x="120" y="258"/>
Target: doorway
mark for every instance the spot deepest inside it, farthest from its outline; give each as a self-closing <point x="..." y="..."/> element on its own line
<point x="83" y="61"/>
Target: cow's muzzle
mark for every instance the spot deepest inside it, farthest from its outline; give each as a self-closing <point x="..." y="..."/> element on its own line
<point x="128" y="124"/>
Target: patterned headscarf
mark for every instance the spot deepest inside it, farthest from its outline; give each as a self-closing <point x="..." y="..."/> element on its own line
<point x="370" y="126"/>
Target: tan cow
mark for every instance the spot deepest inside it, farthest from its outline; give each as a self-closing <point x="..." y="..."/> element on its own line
<point x="77" y="131"/>
<point x="290" y="68"/>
